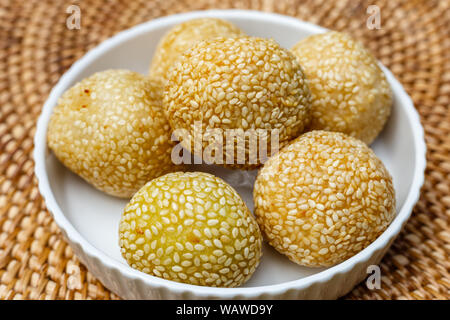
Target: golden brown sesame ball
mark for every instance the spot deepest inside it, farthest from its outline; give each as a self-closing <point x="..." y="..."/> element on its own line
<point x="249" y="84"/>
<point x="110" y="130"/>
<point x="183" y="36"/>
<point x="350" y="93"/>
<point x="193" y="228"/>
<point x="323" y="198"/>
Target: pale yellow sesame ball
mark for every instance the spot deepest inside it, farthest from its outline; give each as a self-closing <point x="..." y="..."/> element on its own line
<point x="182" y="36"/>
<point x="350" y="93"/>
<point x="193" y="228"/>
<point x="110" y="129"/>
<point x="248" y="84"/>
<point x="323" y="198"/>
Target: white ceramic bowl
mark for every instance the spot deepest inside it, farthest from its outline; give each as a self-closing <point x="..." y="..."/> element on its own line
<point x="89" y="218"/>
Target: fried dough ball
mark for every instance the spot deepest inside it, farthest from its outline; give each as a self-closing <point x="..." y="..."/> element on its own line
<point x="110" y="129"/>
<point x="192" y="228"/>
<point x="323" y="198"/>
<point x="350" y="93"/>
<point x="231" y="92"/>
<point x="182" y="37"/>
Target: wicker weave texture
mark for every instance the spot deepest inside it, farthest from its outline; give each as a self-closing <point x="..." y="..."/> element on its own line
<point x="36" y="48"/>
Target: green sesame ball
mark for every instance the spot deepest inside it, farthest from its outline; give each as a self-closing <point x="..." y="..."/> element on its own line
<point x="192" y="228"/>
<point x="243" y="83"/>
<point x="182" y="36"/>
<point x="350" y="92"/>
<point x="323" y="198"/>
<point x="110" y="129"/>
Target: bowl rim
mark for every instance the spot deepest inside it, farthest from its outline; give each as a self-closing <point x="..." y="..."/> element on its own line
<point x="75" y="238"/>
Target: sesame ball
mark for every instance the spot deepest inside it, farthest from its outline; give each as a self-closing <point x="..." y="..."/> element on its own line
<point x="350" y="93"/>
<point x="323" y="198"/>
<point x="110" y="130"/>
<point x="182" y="36"/>
<point x="249" y="85"/>
<point x="192" y="228"/>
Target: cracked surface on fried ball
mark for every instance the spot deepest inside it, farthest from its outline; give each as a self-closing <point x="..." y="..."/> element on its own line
<point x="350" y="93"/>
<point x="246" y="83"/>
<point x="110" y="129"/>
<point x="323" y="198"/>
<point x="193" y="228"/>
<point x="182" y="36"/>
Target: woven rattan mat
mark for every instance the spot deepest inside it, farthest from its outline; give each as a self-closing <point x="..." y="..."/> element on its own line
<point x="36" y="48"/>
